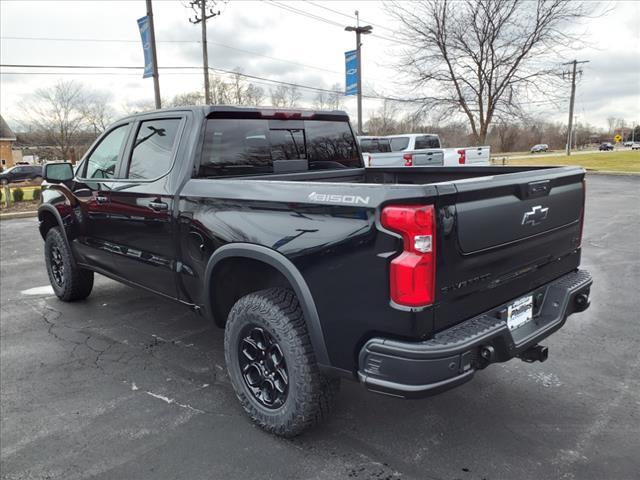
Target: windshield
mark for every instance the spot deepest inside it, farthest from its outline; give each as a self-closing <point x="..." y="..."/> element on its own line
<point x="261" y="146"/>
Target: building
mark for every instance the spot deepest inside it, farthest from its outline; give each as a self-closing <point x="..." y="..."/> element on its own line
<point x="7" y="137"/>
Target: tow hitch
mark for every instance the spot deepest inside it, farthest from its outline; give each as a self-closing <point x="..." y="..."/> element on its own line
<point x="536" y="353"/>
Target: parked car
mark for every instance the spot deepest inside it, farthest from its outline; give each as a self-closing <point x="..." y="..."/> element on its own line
<point x="406" y="280"/>
<point x="541" y="147"/>
<point x="605" y="146"/>
<point x="627" y="144"/>
<point x="425" y="149"/>
<point x="21" y="173"/>
<point x="635" y="146"/>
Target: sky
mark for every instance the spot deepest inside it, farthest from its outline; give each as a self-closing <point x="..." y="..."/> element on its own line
<point x="299" y="42"/>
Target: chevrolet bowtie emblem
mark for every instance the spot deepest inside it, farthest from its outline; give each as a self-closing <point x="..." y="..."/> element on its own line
<point x="535" y="216"/>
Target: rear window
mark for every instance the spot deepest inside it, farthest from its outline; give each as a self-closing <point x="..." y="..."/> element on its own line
<point x="261" y="146"/>
<point x="427" y="141"/>
<point x="399" y="143"/>
<point x="375" y="145"/>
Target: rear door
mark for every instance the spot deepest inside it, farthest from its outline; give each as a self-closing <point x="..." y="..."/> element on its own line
<point x="502" y="236"/>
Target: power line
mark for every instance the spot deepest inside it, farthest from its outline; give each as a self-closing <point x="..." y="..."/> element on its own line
<point x="114" y="40"/>
<point x="347" y="15"/>
<point x="256" y="78"/>
<point x="313" y="16"/>
<point x="303" y="13"/>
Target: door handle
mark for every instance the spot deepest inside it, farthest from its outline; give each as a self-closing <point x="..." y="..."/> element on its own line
<point x="102" y="199"/>
<point x="158" y="206"/>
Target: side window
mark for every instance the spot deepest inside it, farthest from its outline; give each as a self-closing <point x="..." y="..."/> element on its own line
<point x="427" y="141"/>
<point x="103" y="161"/>
<point x="153" y="148"/>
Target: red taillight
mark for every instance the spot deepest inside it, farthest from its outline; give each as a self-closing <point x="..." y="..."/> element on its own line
<point x="413" y="272"/>
<point x="408" y="160"/>
<point x="462" y="159"/>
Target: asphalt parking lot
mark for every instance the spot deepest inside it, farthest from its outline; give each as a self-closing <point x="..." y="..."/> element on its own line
<point x="126" y="385"/>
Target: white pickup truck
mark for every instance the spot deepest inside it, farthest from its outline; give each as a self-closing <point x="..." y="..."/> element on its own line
<point x="419" y="149"/>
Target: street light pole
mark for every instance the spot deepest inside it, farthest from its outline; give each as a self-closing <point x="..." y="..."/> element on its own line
<point x="152" y="38"/>
<point x="359" y="31"/>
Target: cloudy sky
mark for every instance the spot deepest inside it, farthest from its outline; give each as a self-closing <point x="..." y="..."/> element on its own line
<point x="300" y="42"/>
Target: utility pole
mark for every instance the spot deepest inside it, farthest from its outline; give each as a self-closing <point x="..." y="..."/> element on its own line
<point x="359" y="31"/>
<point x="201" y="16"/>
<point x="152" y="37"/>
<point x="572" y="75"/>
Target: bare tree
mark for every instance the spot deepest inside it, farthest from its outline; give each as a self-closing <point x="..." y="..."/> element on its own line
<point x="279" y="96"/>
<point x="57" y="112"/>
<point x="336" y="99"/>
<point x="612" y="122"/>
<point x="96" y="111"/>
<point x="221" y="91"/>
<point x="507" y="136"/>
<point x="254" y="95"/>
<point x="189" y="98"/>
<point x="483" y="58"/>
<point x="238" y="89"/>
<point x="321" y="101"/>
<point x="383" y="121"/>
<point x="293" y="96"/>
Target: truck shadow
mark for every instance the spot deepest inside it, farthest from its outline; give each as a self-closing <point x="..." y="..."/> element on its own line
<point x="513" y="413"/>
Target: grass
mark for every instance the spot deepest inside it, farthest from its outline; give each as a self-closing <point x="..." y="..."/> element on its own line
<point x="27" y="202"/>
<point x="616" y="161"/>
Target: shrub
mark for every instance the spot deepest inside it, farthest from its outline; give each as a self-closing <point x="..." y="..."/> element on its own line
<point x="18" y="194"/>
<point x="37" y="193"/>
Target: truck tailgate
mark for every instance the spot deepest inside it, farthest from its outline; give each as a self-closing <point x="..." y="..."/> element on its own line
<point x="502" y="236"/>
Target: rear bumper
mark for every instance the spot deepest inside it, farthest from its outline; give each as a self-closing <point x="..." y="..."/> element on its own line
<point x="450" y="358"/>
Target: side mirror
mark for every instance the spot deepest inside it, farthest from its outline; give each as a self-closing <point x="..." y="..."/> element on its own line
<point x="58" y="172"/>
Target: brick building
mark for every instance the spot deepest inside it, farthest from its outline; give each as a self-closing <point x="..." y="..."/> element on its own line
<point x="7" y="137"/>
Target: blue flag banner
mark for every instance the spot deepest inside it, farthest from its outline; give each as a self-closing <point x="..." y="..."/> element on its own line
<point x="145" y="35"/>
<point x="351" y="70"/>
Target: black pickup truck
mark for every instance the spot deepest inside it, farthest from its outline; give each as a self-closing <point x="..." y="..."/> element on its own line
<point x="266" y="222"/>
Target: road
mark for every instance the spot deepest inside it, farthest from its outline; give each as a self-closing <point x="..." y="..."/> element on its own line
<point x="129" y="386"/>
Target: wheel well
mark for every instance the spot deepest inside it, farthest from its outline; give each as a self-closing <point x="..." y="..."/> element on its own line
<point x="47" y="221"/>
<point x="235" y="277"/>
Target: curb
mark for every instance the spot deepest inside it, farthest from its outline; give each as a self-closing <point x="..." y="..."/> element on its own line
<point x="10" y="216"/>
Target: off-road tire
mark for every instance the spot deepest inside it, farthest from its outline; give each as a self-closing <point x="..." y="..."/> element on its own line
<point x="310" y="394"/>
<point x="77" y="282"/>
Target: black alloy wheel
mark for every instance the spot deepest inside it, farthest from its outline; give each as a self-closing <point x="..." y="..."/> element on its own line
<point x="57" y="265"/>
<point x="263" y="367"/>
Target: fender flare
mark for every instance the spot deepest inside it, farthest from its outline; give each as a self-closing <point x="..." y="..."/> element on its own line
<point x="290" y="272"/>
<point x="47" y="207"/>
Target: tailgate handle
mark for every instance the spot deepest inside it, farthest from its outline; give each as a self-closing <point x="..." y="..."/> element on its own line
<point x="538" y="189"/>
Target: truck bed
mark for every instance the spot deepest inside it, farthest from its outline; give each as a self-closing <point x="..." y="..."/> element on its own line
<point x="402" y="175"/>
